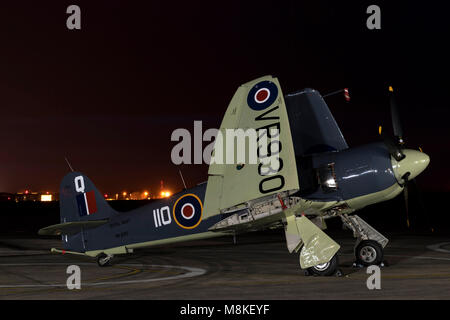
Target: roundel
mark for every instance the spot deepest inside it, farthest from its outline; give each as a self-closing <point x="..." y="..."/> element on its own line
<point x="187" y="211"/>
<point x="262" y="95"/>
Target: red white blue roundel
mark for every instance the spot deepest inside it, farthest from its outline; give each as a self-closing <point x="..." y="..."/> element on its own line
<point x="187" y="211"/>
<point x="262" y="95"/>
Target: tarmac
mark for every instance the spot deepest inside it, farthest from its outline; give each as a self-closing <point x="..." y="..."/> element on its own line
<point x="257" y="267"/>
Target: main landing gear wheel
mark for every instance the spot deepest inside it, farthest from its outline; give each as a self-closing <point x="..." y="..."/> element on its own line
<point x="104" y="260"/>
<point x="369" y="252"/>
<point x="325" y="269"/>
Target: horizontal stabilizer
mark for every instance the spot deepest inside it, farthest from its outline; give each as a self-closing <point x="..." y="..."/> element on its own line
<point x="70" y="227"/>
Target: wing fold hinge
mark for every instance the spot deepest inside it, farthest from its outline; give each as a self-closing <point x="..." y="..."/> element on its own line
<point x="264" y="209"/>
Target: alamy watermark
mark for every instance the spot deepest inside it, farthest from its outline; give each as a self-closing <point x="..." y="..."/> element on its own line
<point x="229" y="146"/>
<point x="374" y="20"/>
<point x="74" y="20"/>
<point x="374" y="280"/>
<point x="74" y="280"/>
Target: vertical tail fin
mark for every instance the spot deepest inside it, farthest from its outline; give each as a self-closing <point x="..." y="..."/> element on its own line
<point x="79" y="200"/>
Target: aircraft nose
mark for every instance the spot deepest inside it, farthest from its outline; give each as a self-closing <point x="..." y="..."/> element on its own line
<point x="414" y="163"/>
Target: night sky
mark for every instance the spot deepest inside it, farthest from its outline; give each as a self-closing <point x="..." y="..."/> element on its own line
<point x="109" y="95"/>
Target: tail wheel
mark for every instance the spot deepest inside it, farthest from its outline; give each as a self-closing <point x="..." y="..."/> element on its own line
<point x="326" y="269"/>
<point x="369" y="252"/>
<point x="104" y="260"/>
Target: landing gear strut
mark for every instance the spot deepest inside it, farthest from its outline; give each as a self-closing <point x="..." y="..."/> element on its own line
<point x="104" y="260"/>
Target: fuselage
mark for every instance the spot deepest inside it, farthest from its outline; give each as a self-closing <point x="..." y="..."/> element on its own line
<point x="356" y="176"/>
<point x="150" y="223"/>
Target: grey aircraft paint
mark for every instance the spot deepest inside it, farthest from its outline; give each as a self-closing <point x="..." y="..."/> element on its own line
<point x="313" y="127"/>
<point x="123" y="228"/>
<point x="356" y="171"/>
<point x="319" y="143"/>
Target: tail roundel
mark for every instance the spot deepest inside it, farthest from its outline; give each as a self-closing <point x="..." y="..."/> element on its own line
<point x="79" y="200"/>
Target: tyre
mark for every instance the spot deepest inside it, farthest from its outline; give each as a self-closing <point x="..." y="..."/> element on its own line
<point x="103" y="260"/>
<point x="325" y="269"/>
<point x="369" y="252"/>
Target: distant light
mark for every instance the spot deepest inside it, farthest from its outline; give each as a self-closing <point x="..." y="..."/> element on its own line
<point x="124" y="194"/>
<point x="46" y="197"/>
<point x="146" y="193"/>
<point x="165" y="194"/>
<point x="105" y="195"/>
<point x="26" y="191"/>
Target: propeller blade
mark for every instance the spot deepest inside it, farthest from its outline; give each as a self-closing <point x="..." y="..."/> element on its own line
<point x="393" y="146"/>
<point x="396" y="124"/>
<point x="405" y="194"/>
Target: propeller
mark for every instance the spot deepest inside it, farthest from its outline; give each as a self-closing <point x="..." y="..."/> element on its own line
<point x="395" y="145"/>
